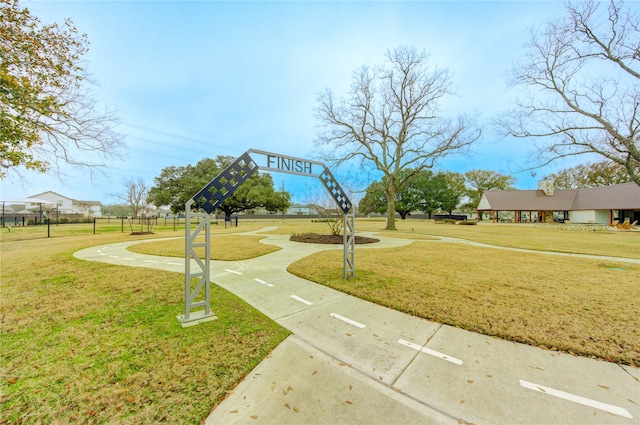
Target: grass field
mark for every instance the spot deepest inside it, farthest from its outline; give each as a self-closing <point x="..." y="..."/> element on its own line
<point x="86" y="342"/>
<point x="586" y="307"/>
<point x="223" y="248"/>
<point x="613" y="243"/>
<point x="94" y="343"/>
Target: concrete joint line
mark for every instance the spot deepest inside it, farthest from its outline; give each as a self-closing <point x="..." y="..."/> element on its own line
<point x="381" y="386"/>
<point x="628" y="373"/>
<point x="416" y="355"/>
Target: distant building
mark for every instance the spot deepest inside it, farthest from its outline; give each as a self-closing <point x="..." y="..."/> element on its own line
<point x="299" y="209"/>
<point x="600" y="205"/>
<point x="64" y="205"/>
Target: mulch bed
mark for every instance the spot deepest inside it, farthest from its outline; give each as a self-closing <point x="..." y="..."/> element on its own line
<point x="329" y="239"/>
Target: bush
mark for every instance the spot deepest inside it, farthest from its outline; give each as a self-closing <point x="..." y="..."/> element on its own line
<point x="324" y="220"/>
<point x="468" y="222"/>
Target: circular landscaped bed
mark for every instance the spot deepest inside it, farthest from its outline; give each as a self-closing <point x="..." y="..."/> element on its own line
<point x="329" y="239"/>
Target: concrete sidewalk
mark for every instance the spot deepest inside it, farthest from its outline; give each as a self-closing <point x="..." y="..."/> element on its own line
<point x="353" y="362"/>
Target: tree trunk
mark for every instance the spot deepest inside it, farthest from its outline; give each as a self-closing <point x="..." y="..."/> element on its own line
<point x="391" y="209"/>
<point x="228" y="212"/>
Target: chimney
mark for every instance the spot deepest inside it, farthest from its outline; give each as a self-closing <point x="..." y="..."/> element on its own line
<point x="547" y="186"/>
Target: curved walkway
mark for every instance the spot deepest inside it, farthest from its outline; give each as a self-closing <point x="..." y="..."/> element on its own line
<point x="353" y="362"/>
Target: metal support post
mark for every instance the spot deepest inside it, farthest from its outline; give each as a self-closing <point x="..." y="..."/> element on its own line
<point x="349" y="237"/>
<point x="197" y="269"/>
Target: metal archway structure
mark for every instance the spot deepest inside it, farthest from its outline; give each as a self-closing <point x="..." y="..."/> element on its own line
<point x="197" y="274"/>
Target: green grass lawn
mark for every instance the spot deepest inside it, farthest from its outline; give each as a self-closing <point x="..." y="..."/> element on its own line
<point x="93" y="343"/>
<point x="223" y="247"/>
<point x="88" y="342"/>
<point x="586" y="307"/>
<point x="614" y="243"/>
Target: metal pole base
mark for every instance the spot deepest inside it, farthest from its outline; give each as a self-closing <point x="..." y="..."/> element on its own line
<point x="196" y="318"/>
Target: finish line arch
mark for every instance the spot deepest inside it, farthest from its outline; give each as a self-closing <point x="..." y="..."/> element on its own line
<point x="221" y="188"/>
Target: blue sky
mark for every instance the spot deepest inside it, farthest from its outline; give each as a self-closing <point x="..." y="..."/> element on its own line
<point x="191" y="80"/>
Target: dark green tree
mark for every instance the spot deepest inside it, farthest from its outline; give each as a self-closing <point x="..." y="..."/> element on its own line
<point x="451" y="190"/>
<point x="374" y="200"/>
<point x="424" y="191"/>
<point x="406" y="199"/>
<point x="428" y="201"/>
<point x="477" y="181"/>
<point x="176" y="185"/>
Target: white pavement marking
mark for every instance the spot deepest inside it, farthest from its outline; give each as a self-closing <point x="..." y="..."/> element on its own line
<point x="232" y="271"/>
<point x="113" y="256"/>
<point x="302" y="300"/>
<point x="102" y="253"/>
<point x="129" y="259"/>
<point x="620" y="411"/>
<point x="429" y="351"/>
<point x="347" y="320"/>
<point x="262" y="282"/>
<point x="150" y="261"/>
<point x="176" y="264"/>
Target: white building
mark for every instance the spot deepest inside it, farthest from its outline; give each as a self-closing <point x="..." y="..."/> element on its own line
<point x="64" y="205"/>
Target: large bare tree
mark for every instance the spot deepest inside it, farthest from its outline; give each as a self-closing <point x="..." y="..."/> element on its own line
<point x="391" y="118"/>
<point x="581" y="79"/>
<point x="135" y="195"/>
<point x="603" y="173"/>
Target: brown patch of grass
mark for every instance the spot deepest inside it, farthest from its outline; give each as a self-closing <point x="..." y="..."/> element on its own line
<point x="87" y="342"/>
<point x="223" y="247"/>
<point x="576" y="305"/>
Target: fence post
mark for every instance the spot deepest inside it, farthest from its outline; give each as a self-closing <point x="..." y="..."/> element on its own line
<point x="94" y="225"/>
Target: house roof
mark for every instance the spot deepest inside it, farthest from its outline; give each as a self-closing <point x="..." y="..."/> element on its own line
<point x="616" y="197"/>
<point x="26" y="201"/>
<point x="58" y="196"/>
<point x="50" y="192"/>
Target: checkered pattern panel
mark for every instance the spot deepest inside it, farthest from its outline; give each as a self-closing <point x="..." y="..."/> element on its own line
<point x="223" y="186"/>
<point x="335" y="190"/>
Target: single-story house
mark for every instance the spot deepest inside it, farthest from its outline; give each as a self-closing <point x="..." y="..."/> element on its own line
<point x="600" y="205"/>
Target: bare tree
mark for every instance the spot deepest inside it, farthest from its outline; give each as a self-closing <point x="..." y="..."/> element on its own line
<point x="581" y="81"/>
<point x="391" y="118"/>
<point x="326" y="209"/>
<point x="135" y="195"/>
<point x="603" y="173"/>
